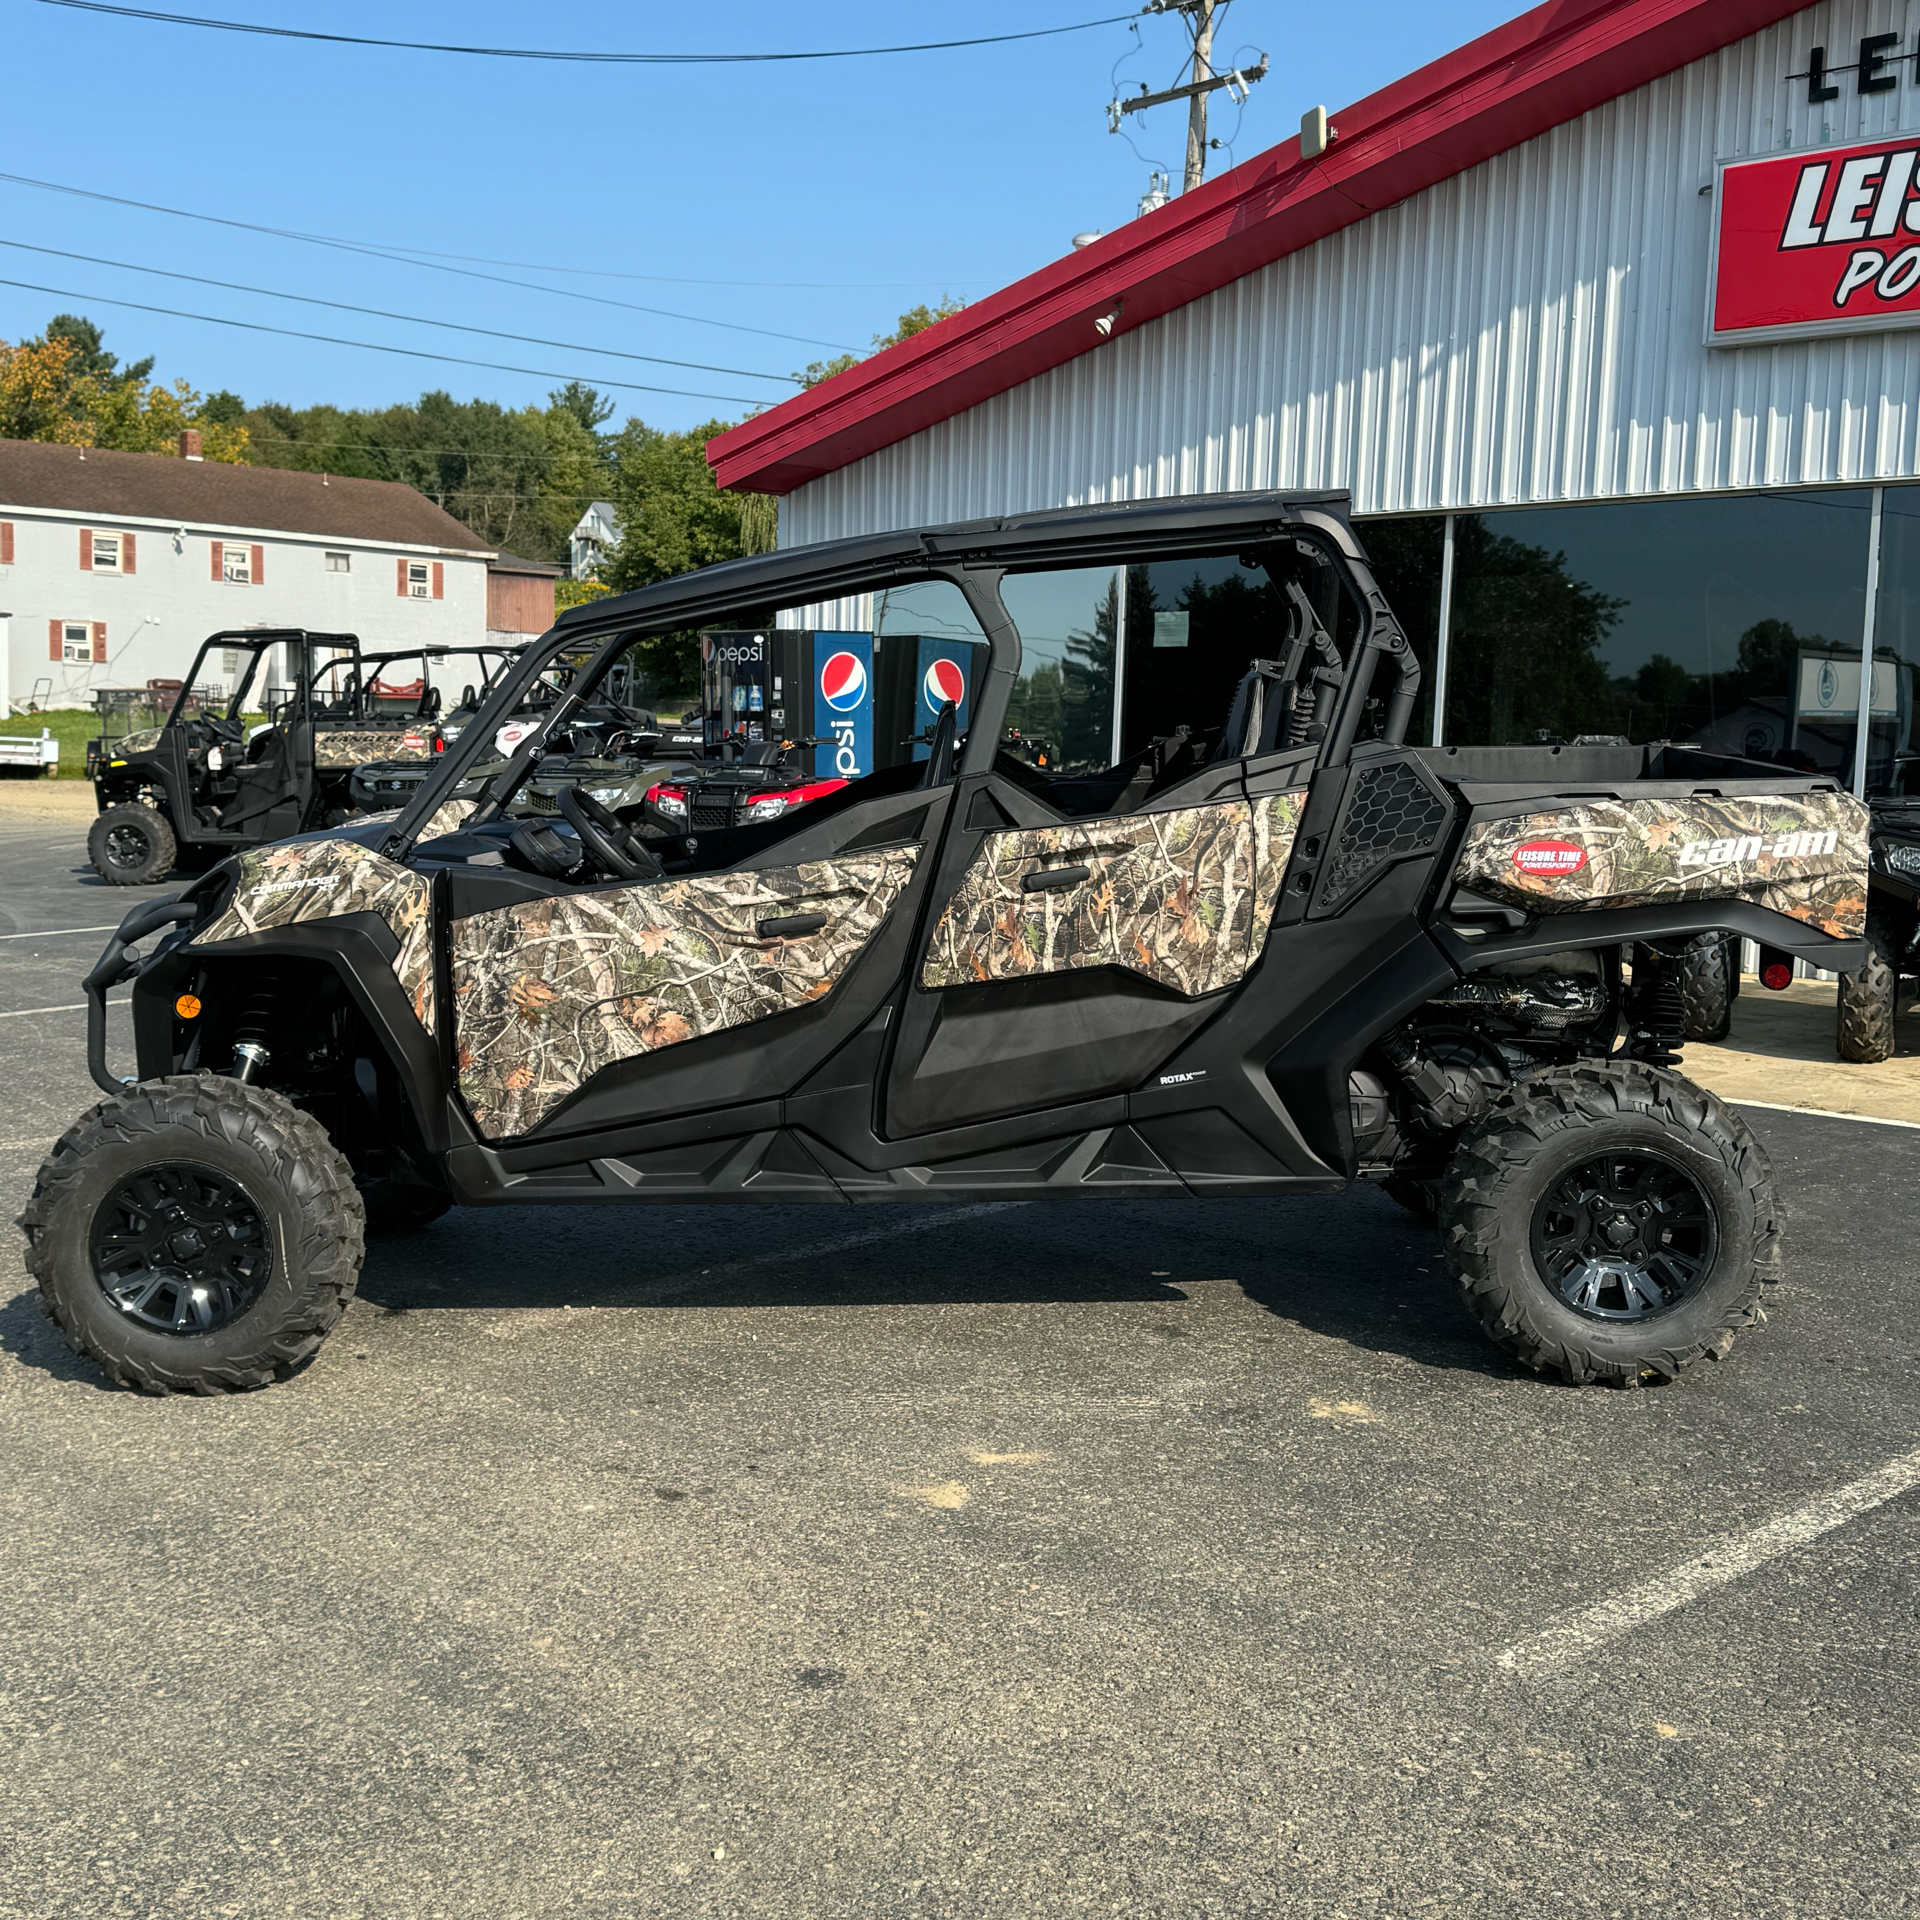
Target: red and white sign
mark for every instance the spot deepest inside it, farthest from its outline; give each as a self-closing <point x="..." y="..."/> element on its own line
<point x="1550" y="859"/>
<point x="943" y="682"/>
<point x="1819" y="241"/>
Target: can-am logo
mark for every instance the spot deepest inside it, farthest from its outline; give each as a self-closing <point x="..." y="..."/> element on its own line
<point x="1550" y="859"/>
<point x="1739" y="850"/>
<point x="944" y="681"/>
<point x="843" y="681"/>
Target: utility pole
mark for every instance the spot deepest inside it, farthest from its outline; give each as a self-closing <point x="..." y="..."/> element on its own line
<point x="1197" y="104"/>
<point x="1200" y="16"/>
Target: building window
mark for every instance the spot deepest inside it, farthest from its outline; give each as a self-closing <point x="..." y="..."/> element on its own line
<point x="76" y="643"/>
<point x="1728" y="621"/>
<point x="419" y="580"/>
<point x="339" y="563"/>
<point x="106" y="553"/>
<point x="236" y="565"/>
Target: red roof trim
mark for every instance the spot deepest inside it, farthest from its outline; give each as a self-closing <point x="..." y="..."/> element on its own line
<point x="1537" y="72"/>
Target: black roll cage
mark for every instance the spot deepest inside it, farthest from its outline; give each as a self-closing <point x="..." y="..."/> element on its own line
<point x="257" y="640"/>
<point x="974" y="556"/>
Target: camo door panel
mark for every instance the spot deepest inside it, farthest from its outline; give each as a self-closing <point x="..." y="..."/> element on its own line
<point x="550" y="991"/>
<point x="1802" y="854"/>
<point x="1184" y="897"/>
<point x="320" y="880"/>
<point x="333" y="750"/>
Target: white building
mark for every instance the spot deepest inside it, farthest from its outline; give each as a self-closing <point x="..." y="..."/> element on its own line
<point x="1609" y="322"/>
<point x="595" y="535"/>
<point x="115" y="566"/>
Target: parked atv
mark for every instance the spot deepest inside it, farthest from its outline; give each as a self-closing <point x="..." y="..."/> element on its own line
<point x="744" y="783"/>
<point x="1275" y="950"/>
<point x="1869" y="998"/>
<point x="377" y="785"/>
<point x="205" y="782"/>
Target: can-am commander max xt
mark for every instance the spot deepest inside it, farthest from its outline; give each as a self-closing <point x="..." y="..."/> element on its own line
<point x="1240" y="939"/>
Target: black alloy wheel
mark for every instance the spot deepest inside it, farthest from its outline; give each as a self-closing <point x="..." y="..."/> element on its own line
<point x="127" y="846"/>
<point x="1625" y="1235"/>
<point x="181" y="1249"/>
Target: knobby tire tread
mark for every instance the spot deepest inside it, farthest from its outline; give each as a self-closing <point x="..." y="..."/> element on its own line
<point x="1537" y="1111"/>
<point x="294" y="1151"/>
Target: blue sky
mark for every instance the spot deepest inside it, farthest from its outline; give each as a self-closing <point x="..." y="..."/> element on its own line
<point x="829" y="194"/>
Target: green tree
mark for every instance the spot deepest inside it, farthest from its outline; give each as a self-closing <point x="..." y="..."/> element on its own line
<point x="1526" y="643"/>
<point x="90" y="358"/>
<point x="914" y="320"/>
<point x="672" y="518"/>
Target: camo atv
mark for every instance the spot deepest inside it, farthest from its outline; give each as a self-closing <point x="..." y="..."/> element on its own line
<point x="1273" y="951"/>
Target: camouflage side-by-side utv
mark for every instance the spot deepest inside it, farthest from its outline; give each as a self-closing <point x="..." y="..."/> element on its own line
<point x="1869" y="999"/>
<point x="204" y="782"/>
<point x="1270" y="949"/>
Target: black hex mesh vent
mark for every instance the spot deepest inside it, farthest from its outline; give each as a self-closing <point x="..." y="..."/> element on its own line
<point x="1391" y="813"/>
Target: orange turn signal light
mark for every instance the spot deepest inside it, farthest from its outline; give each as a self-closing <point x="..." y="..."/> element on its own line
<point x="188" y="1006"/>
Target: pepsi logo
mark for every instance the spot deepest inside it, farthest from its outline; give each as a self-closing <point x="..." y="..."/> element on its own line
<point x="1550" y="859"/>
<point x="843" y="681"/>
<point x="944" y="682"/>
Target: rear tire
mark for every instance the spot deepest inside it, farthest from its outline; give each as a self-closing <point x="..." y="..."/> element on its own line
<point x="1707" y="982"/>
<point x="1868" y="1002"/>
<point x="130" y="845"/>
<point x="1538" y="1265"/>
<point x="195" y="1235"/>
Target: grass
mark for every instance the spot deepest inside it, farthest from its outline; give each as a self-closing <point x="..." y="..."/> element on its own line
<point x="73" y="727"/>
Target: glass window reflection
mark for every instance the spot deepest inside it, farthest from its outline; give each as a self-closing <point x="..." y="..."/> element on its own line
<point x="1062" y="704"/>
<point x="1729" y="621"/>
<point x="1893" y="737"/>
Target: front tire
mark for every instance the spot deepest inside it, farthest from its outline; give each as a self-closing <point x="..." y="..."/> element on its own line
<point x="1610" y="1222"/>
<point x="195" y="1235"/>
<point x="130" y="845"/>
<point x="1868" y="1002"/>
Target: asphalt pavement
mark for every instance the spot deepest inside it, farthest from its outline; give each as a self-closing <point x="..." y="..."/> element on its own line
<point x="1150" y="1559"/>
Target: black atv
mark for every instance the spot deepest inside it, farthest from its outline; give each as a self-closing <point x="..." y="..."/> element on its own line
<point x="377" y="786"/>
<point x="1271" y="950"/>
<point x="739" y="783"/>
<point x="205" y="782"/>
<point x="1869" y="999"/>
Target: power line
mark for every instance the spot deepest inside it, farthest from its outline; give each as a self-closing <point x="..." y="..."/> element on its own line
<point x="588" y="59"/>
<point x="381" y="313"/>
<point x="399" y="258"/>
<point x="368" y="346"/>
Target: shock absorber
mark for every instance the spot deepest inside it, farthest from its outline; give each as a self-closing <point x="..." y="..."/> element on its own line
<point x="251" y="1026"/>
<point x="1656" y="1009"/>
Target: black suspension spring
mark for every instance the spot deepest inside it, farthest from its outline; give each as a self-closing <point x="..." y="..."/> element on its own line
<point x="252" y="1026"/>
<point x="1656" y="1009"/>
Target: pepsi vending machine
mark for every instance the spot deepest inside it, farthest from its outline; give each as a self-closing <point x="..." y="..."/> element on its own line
<point x="874" y="699"/>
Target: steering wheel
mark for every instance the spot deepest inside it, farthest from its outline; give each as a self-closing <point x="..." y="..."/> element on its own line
<point x="609" y="845"/>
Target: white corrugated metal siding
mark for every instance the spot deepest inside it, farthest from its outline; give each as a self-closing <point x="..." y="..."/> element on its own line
<point x="1530" y="331"/>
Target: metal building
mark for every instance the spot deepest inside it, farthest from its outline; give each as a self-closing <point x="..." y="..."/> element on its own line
<point x="1545" y="297"/>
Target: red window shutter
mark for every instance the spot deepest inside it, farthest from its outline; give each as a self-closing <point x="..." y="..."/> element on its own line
<point x="126" y="553"/>
<point x="259" y="566"/>
<point x="439" y="581"/>
<point x="400" y="567"/>
<point x="54" y="650"/>
<point x="6" y="543"/>
<point x="99" y="643"/>
<point x="86" y="549"/>
<point x="219" y="559"/>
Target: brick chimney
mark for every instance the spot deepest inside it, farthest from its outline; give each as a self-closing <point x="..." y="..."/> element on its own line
<point x="190" y="444"/>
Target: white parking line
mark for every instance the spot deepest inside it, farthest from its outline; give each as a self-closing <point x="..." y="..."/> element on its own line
<point x="56" y="933"/>
<point x="20" y="1013"/>
<point x="1560" y="1645"/>
<point x="1829" y="1113"/>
